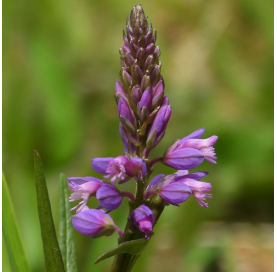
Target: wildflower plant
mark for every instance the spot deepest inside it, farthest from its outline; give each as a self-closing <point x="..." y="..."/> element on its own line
<point x="143" y="112"/>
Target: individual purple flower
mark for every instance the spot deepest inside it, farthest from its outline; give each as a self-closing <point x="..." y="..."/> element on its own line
<point x="197" y="187"/>
<point x="203" y="145"/>
<point x="143" y="218"/>
<point x="189" y="152"/>
<point x="94" y="223"/>
<point x="127" y="116"/>
<point x="110" y="197"/>
<point x="157" y="130"/>
<point x="120" y="167"/>
<point x="171" y="191"/>
<point x="83" y="188"/>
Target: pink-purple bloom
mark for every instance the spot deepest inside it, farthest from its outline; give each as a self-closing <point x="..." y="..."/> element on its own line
<point x="143" y="218"/>
<point x="94" y="223"/>
<point x="172" y="191"/>
<point x="83" y="188"/>
<point x="189" y="152"/>
<point x="120" y="167"/>
<point x="110" y="197"/>
<point x="198" y="188"/>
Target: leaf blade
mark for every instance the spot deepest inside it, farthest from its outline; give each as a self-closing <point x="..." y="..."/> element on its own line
<point x="134" y="247"/>
<point x="52" y="254"/>
<point x="67" y="239"/>
<point x="15" y="251"/>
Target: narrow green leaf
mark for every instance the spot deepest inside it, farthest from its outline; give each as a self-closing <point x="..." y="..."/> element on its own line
<point x="5" y="258"/>
<point x="52" y="254"/>
<point x="14" y="248"/>
<point x="134" y="247"/>
<point x="66" y="239"/>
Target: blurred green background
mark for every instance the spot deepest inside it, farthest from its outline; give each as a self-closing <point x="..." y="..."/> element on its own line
<point x="60" y="63"/>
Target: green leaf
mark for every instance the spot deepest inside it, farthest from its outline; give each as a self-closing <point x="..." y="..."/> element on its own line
<point x="134" y="247"/>
<point x="52" y="254"/>
<point x="14" y="248"/>
<point x="66" y="237"/>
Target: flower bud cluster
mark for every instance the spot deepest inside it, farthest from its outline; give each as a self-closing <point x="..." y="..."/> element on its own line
<point x="143" y="111"/>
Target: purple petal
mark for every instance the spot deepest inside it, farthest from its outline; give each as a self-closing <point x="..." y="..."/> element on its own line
<point x="158" y="88"/>
<point x="140" y="213"/>
<point x="175" y="193"/>
<point x="125" y="111"/>
<point x="161" y="120"/>
<point x="140" y="165"/>
<point x="184" y="159"/>
<point x="120" y="89"/>
<point x="123" y="137"/>
<point x="146" y="225"/>
<point x="100" y="165"/>
<point x="89" y="222"/>
<point x="180" y="173"/>
<point x="109" y="197"/>
<point x="198" y="143"/>
<point x="81" y="180"/>
<point x="197" y="175"/>
<point x="155" y="180"/>
<point x="197" y="134"/>
<point x="197" y="185"/>
<point x="146" y="100"/>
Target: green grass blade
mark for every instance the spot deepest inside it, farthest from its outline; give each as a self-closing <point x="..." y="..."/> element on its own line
<point x="15" y="252"/>
<point x="52" y="253"/>
<point x="66" y="239"/>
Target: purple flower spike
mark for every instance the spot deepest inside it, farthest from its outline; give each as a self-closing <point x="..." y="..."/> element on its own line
<point x="143" y="218"/>
<point x="94" y="223"/>
<point x="127" y="116"/>
<point x="110" y="197"/>
<point x="198" y="189"/>
<point x="158" y="127"/>
<point x="83" y="190"/>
